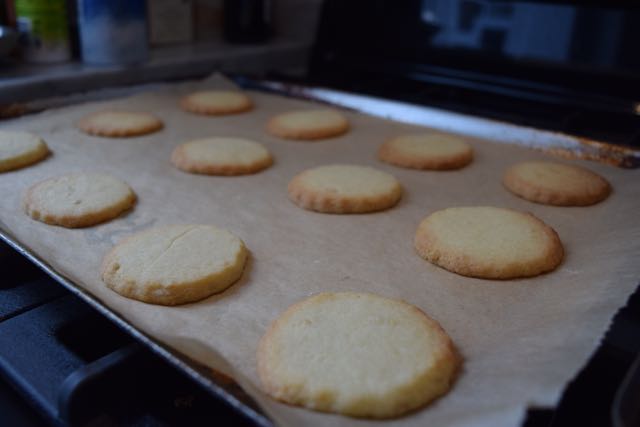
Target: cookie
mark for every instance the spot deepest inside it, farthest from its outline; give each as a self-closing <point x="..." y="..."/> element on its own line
<point x="434" y="151"/>
<point x="216" y="102"/>
<point x="344" y="189"/>
<point x="120" y="123"/>
<point x="556" y="184"/>
<point x="356" y="354"/>
<point x="308" y="125"/>
<point x="221" y="156"/>
<point x="175" y="264"/>
<point x="488" y="242"/>
<point x="19" y="149"/>
<point x="78" y="200"/>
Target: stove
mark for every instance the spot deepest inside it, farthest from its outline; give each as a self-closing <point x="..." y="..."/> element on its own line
<point x="564" y="66"/>
<point x="63" y="363"/>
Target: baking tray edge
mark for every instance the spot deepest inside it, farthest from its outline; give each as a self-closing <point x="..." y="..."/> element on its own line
<point x="194" y="370"/>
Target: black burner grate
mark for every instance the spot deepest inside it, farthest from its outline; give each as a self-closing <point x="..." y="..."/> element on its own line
<point x="75" y="368"/>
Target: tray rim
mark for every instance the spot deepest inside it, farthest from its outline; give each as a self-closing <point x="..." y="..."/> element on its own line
<point x="556" y="143"/>
<point x="197" y="371"/>
<point x="181" y="362"/>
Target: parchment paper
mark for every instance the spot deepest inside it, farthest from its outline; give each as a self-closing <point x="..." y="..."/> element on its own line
<point x="522" y="340"/>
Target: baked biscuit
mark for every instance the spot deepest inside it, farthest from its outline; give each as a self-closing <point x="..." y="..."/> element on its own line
<point x="308" y="125"/>
<point x="78" y="200"/>
<point x="435" y="151"/>
<point x="356" y="354"/>
<point x="176" y="264"/>
<point x="344" y="189"/>
<point x="120" y="123"/>
<point x="221" y="156"/>
<point x="216" y="102"/>
<point x="556" y="184"/>
<point x="19" y="149"/>
<point x="488" y="242"/>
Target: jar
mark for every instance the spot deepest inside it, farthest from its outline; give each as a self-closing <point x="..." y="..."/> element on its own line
<point x="113" y="31"/>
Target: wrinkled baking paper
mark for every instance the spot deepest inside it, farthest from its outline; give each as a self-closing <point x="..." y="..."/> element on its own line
<point x="522" y="340"/>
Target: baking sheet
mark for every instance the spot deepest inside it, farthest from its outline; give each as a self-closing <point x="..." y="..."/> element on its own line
<point x="522" y="340"/>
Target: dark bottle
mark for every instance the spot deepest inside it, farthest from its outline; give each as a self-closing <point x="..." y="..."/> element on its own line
<point x="246" y="21"/>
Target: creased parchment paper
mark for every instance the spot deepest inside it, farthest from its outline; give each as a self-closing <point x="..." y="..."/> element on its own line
<point x="522" y="340"/>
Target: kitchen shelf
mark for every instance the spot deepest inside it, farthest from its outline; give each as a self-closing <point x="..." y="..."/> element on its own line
<point x="20" y="82"/>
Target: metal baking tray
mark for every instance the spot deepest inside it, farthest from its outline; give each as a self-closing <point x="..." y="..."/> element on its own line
<point x="220" y="386"/>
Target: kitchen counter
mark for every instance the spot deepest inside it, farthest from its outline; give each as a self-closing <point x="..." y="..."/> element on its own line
<point x="20" y="82"/>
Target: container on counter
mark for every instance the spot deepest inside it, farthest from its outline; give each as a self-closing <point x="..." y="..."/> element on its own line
<point x="44" y="30"/>
<point x="247" y="21"/>
<point x="113" y="32"/>
<point x="208" y="19"/>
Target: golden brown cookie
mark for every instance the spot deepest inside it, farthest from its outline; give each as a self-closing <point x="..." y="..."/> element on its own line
<point x="120" y="123"/>
<point x="556" y="184"/>
<point x="175" y="264"/>
<point x="356" y="354"/>
<point x="308" y="125"/>
<point x="489" y="242"/>
<point x="216" y="102"/>
<point x="19" y="149"/>
<point x="78" y="200"/>
<point x="221" y="156"/>
<point x="344" y="189"/>
<point x="435" y="151"/>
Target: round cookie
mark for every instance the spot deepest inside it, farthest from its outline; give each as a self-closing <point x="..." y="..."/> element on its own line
<point x="556" y="184"/>
<point x="216" y="102"/>
<point x="78" y="200"/>
<point x="356" y="354"/>
<point x="221" y="156"/>
<point x="19" y="149"/>
<point x="488" y="242"/>
<point x="426" y="151"/>
<point x="344" y="189"/>
<point x="175" y="264"/>
<point x="120" y="123"/>
<point x="308" y="125"/>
